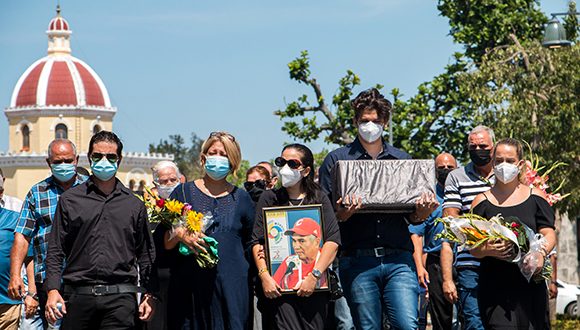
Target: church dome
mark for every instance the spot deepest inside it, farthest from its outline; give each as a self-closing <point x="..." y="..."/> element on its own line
<point x="59" y="79"/>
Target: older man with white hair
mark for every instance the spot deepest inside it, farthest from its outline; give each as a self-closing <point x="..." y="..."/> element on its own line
<point x="166" y="177"/>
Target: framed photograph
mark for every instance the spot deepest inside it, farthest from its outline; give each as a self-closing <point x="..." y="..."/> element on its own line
<point x="294" y="238"/>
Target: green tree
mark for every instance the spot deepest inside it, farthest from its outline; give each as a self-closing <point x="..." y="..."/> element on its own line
<point x="437" y="118"/>
<point x="531" y="93"/>
<point x="186" y="156"/>
<point x="337" y="117"/>
<point x="240" y="177"/>
<point x="571" y="22"/>
<point x="481" y="25"/>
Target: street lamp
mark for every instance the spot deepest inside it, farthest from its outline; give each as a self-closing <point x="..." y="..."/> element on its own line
<point x="555" y="34"/>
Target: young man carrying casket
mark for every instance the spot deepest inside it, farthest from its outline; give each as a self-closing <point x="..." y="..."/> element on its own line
<point x="376" y="264"/>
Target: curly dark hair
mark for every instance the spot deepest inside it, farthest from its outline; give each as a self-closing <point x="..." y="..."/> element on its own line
<point x="106" y="136"/>
<point x="369" y="100"/>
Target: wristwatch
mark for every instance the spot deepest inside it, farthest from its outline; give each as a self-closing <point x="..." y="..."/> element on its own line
<point x="32" y="295"/>
<point x="316" y="273"/>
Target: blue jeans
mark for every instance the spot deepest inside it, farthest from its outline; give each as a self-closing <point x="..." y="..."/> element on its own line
<point x="33" y="323"/>
<point x="369" y="283"/>
<point x="467" y="286"/>
<point x="342" y="316"/>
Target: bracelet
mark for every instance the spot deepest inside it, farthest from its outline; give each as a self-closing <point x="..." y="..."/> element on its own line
<point x="152" y="297"/>
<point x="262" y="271"/>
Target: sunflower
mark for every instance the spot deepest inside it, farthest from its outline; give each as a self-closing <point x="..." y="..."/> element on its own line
<point x="194" y="221"/>
<point x="174" y="206"/>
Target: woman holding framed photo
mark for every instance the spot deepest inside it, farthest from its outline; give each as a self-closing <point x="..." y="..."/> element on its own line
<point x="302" y="274"/>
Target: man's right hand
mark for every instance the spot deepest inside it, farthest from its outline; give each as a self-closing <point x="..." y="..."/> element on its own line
<point x="52" y="313"/>
<point x="16" y="287"/>
<point x="450" y="291"/>
<point x="347" y="207"/>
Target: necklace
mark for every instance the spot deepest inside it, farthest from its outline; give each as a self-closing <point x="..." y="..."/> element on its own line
<point x="290" y="202"/>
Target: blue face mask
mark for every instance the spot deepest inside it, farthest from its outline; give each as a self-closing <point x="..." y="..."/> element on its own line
<point x="217" y="167"/>
<point x="63" y="172"/>
<point x="104" y="170"/>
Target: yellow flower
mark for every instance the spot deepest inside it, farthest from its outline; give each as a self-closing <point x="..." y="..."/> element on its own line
<point x="194" y="221"/>
<point x="174" y="206"/>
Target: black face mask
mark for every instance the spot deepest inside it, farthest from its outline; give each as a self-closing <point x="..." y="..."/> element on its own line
<point x="480" y="157"/>
<point x="255" y="193"/>
<point x="441" y="175"/>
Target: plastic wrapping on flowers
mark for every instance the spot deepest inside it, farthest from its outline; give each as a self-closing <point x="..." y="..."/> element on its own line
<point x="470" y="231"/>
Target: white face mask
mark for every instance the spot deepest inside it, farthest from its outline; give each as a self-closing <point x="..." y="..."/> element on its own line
<point x="289" y="176"/>
<point x="506" y="172"/>
<point x="165" y="191"/>
<point x="370" y="132"/>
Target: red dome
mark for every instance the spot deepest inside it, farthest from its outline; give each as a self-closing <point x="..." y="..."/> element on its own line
<point x="58" y="24"/>
<point x="60" y="81"/>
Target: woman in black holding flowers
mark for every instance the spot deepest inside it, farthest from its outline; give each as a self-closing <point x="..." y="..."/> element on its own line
<point x="305" y="309"/>
<point x="506" y="299"/>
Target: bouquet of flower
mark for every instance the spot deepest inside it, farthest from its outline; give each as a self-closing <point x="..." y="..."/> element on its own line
<point x="470" y="231"/>
<point x="175" y="214"/>
<point x="533" y="178"/>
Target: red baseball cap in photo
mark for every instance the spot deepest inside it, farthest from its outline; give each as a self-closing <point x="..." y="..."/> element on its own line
<point x="305" y="227"/>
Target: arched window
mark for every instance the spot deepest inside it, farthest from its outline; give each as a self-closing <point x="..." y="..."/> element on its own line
<point x="25" y="137"/>
<point x="132" y="185"/>
<point x="61" y="131"/>
<point x="141" y="186"/>
<point x="97" y="129"/>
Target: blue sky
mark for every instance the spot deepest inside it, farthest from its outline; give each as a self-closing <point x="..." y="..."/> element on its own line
<point x="201" y="66"/>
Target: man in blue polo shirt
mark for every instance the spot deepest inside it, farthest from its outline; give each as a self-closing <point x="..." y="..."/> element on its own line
<point x="9" y="308"/>
<point x="423" y="237"/>
<point x="376" y="264"/>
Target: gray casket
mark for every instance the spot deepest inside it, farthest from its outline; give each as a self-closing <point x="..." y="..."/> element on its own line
<point x="384" y="185"/>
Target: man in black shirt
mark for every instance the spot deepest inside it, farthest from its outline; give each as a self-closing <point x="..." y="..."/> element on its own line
<point x="376" y="264"/>
<point x="102" y="231"/>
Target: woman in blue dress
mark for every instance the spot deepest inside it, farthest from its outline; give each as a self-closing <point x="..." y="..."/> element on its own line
<point x="216" y="298"/>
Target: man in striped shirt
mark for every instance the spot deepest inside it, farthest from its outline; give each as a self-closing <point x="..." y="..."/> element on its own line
<point x="461" y="187"/>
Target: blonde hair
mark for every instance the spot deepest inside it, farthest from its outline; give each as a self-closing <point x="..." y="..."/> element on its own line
<point x="234" y="154"/>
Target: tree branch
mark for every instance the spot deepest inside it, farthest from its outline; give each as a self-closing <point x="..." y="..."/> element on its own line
<point x="523" y="52"/>
<point x="320" y="99"/>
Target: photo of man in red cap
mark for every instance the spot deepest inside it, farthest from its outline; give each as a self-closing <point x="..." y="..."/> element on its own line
<point x="306" y="236"/>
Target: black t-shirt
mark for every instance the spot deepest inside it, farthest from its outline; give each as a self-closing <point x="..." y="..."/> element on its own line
<point x="506" y="298"/>
<point x="271" y="198"/>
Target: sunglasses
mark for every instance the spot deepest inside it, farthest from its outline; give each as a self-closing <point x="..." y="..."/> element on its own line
<point x="260" y="184"/>
<point x="292" y="163"/>
<point x="61" y="161"/>
<point x="220" y="134"/>
<point x="97" y="156"/>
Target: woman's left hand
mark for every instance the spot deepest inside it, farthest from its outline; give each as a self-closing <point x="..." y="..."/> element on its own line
<point x="306" y="286"/>
<point x="195" y="242"/>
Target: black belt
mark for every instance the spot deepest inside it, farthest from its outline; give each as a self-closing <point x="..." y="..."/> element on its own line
<point x="372" y="252"/>
<point x="103" y="290"/>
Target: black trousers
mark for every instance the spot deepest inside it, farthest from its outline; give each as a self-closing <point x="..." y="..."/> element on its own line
<point x="42" y="299"/>
<point x="88" y="312"/>
<point x="440" y="309"/>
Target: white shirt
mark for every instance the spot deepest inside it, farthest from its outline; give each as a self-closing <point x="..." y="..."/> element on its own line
<point x="11" y="203"/>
